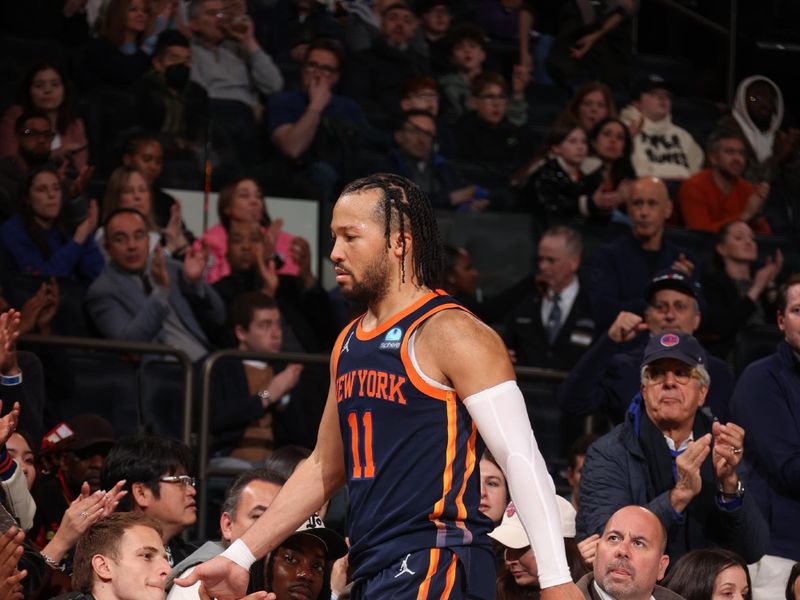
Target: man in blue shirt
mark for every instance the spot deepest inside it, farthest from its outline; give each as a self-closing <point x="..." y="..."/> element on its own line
<point x="309" y="126"/>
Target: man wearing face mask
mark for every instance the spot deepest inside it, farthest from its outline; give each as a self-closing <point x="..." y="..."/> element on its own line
<point x="168" y="101"/>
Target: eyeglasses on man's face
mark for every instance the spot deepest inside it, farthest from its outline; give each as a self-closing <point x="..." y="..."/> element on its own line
<point x="657" y="375"/>
<point x="182" y="480"/>
<point x="33" y="133"/>
<point x="315" y="66"/>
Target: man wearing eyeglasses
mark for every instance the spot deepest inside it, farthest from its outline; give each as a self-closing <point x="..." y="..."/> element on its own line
<point x="416" y="156"/>
<point x="247" y="498"/>
<point x="673" y="459"/>
<point x="156" y="473"/>
<point x="301" y="121"/>
<point x="606" y="378"/>
<point x="34" y="134"/>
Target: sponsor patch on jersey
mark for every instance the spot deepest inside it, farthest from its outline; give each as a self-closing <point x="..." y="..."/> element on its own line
<point x="394" y="335"/>
<point x="392" y="339"/>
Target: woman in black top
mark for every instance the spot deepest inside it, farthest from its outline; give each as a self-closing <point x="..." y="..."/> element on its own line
<point x="735" y="295"/>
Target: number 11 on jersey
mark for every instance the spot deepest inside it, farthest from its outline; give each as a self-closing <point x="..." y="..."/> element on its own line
<point x="367" y="470"/>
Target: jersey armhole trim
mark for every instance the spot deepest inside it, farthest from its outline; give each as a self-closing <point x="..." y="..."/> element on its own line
<point x="419" y="380"/>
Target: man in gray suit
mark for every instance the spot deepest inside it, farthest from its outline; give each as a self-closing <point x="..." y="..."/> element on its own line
<point x="157" y="301"/>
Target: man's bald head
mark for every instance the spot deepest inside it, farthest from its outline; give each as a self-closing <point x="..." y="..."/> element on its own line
<point x="649" y="186"/>
<point x="630" y="554"/>
<point x="649" y="207"/>
<point x="642" y="513"/>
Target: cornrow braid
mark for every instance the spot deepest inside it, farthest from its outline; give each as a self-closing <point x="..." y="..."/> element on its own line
<point x="403" y="201"/>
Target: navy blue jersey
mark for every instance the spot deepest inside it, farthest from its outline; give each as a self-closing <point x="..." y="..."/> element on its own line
<point x="411" y="449"/>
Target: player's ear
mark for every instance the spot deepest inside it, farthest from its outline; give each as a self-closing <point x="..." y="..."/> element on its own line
<point x="400" y="241"/>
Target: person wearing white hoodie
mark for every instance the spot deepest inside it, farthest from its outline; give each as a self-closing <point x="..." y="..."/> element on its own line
<point x="772" y="152"/>
<point x="756" y="116"/>
<point x="660" y="148"/>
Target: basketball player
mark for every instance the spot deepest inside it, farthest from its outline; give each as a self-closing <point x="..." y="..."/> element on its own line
<point x="410" y="382"/>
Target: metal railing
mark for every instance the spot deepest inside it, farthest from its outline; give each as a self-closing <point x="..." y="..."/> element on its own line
<point x="203" y="433"/>
<point x="728" y="32"/>
<point x="538" y="373"/>
<point x="203" y="440"/>
<point x="130" y="348"/>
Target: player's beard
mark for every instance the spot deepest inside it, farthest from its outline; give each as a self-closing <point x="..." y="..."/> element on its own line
<point x="374" y="284"/>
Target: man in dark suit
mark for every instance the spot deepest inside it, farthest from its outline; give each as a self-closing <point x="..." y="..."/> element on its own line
<point x="135" y="299"/>
<point x="553" y="326"/>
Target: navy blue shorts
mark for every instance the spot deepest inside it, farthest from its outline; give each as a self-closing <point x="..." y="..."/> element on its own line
<point x="454" y="573"/>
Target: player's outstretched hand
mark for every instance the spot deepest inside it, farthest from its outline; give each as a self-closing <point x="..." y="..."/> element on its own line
<point x="223" y="579"/>
<point x="565" y="591"/>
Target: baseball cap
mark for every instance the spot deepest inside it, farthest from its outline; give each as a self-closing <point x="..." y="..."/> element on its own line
<point x="671" y="279"/>
<point x="648" y="83"/>
<point x="335" y="546"/>
<point x="511" y="534"/>
<point x="79" y="433"/>
<point x="674" y="344"/>
<point x="90" y="430"/>
<point x="425" y="6"/>
<point x="396" y="6"/>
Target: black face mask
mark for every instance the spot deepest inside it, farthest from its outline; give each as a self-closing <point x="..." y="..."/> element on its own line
<point x="177" y="76"/>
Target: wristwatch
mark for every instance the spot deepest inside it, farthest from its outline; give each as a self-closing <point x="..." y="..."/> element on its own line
<point x="738" y="493"/>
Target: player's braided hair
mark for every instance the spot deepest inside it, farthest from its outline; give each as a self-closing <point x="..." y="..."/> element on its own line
<point x="404" y="204"/>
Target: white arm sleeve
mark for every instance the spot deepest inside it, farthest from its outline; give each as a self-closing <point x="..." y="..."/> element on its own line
<point x="500" y="415"/>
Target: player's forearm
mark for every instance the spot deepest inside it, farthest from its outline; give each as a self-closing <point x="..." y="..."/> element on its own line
<point x="306" y="491"/>
<point x="499" y="413"/>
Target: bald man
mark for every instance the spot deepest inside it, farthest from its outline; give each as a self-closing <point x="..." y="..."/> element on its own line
<point x="630" y="559"/>
<point x="622" y="269"/>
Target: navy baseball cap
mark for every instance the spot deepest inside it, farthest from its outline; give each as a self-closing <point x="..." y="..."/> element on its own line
<point x="672" y="279"/>
<point x="426" y="6"/>
<point x="648" y="83"/>
<point x="674" y="344"/>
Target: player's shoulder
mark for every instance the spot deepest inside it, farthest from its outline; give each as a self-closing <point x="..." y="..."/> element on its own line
<point x="457" y="326"/>
<point x="455" y="342"/>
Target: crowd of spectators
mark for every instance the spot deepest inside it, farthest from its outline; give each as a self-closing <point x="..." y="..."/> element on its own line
<point x="660" y="247"/>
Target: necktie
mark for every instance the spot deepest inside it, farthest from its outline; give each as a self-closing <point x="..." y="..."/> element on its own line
<point x="148" y="287"/>
<point x="554" y="320"/>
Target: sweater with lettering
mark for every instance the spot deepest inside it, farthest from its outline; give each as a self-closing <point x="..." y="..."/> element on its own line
<point x="662" y="149"/>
